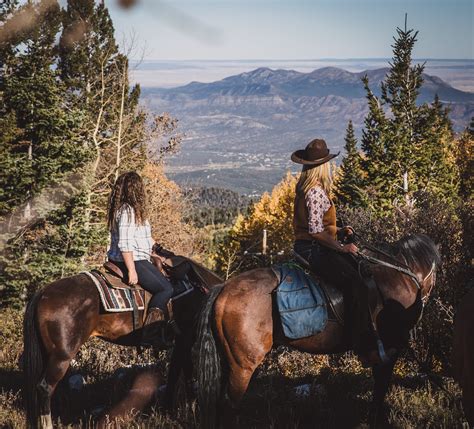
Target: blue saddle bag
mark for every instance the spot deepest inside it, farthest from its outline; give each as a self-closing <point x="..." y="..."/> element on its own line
<point x="300" y="302"/>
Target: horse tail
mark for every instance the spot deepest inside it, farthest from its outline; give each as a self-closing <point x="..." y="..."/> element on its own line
<point x="33" y="361"/>
<point x="209" y="371"/>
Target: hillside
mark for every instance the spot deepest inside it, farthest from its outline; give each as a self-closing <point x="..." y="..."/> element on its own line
<point x="240" y="130"/>
<point x="211" y="206"/>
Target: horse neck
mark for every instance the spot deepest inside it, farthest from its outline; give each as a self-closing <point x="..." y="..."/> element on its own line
<point x="396" y="285"/>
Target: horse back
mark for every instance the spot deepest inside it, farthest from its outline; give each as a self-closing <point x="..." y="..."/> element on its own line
<point x="76" y="287"/>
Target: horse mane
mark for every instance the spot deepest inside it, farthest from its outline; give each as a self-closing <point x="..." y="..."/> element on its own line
<point x="416" y="249"/>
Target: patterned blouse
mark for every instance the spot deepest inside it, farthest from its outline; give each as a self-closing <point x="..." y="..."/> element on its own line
<point x="318" y="204"/>
<point x="130" y="237"/>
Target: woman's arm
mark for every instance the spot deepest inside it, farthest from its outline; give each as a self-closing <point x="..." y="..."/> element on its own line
<point x="318" y="203"/>
<point x="326" y="239"/>
<point x="126" y="232"/>
<point x="130" y="264"/>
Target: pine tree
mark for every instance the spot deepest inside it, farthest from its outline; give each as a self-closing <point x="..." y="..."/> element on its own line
<point x="435" y="153"/>
<point x="350" y="183"/>
<point x="34" y="98"/>
<point x="408" y="148"/>
<point x="10" y="132"/>
<point x="374" y="165"/>
<point x="400" y="91"/>
<point x="465" y="163"/>
<point x="40" y="150"/>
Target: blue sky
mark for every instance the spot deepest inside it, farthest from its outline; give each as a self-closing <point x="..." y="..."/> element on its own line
<point x="293" y="29"/>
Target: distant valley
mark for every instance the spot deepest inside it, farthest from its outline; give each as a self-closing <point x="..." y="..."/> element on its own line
<point x="240" y="130"/>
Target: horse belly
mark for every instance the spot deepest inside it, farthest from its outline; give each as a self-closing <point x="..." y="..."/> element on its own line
<point x="330" y="340"/>
<point x="116" y="327"/>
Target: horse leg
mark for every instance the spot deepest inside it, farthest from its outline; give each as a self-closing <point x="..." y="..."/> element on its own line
<point x="188" y="374"/>
<point x="237" y="384"/>
<point x="62" y="332"/>
<point x="239" y="379"/>
<point x="181" y="354"/>
<point x="55" y="370"/>
<point x="382" y="376"/>
<point x="244" y="324"/>
<point x="468" y="404"/>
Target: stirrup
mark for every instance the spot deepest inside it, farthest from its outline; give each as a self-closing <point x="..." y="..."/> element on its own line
<point x="381" y="350"/>
<point x="174" y="327"/>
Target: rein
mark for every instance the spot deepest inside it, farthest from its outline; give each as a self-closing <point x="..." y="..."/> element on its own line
<point x="398" y="266"/>
<point x="395" y="267"/>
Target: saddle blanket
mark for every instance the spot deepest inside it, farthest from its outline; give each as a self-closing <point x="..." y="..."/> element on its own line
<point x="118" y="300"/>
<point x="300" y="302"/>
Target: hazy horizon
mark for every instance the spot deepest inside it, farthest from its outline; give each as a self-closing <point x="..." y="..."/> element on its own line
<point x="172" y="73"/>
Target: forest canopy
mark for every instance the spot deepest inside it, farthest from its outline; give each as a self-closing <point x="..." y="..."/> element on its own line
<point x="70" y="123"/>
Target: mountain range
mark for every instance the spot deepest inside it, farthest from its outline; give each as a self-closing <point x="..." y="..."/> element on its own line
<point x="253" y="120"/>
<point x="319" y="83"/>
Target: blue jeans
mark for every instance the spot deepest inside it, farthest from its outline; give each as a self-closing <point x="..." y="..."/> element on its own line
<point x="151" y="279"/>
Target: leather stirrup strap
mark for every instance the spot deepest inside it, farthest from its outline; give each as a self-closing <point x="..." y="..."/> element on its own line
<point x="135" y="320"/>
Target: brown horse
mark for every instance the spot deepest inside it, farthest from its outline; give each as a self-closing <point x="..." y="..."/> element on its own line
<point x="62" y="316"/>
<point x="463" y="354"/>
<point x="240" y="324"/>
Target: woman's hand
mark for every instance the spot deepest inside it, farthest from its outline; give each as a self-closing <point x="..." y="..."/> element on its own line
<point x="132" y="278"/>
<point x="350" y="248"/>
<point x="347" y="231"/>
<point x="327" y="240"/>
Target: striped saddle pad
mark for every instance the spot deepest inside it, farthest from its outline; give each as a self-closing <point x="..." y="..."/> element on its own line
<point x="118" y="299"/>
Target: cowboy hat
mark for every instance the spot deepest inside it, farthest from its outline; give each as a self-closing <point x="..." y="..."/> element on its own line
<point x="315" y="153"/>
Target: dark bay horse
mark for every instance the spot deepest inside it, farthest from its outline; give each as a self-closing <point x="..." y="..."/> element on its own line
<point x="62" y="316"/>
<point x="239" y="326"/>
<point x="463" y="354"/>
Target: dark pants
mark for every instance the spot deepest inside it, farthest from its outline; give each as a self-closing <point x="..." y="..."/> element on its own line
<point x="150" y="279"/>
<point x="341" y="270"/>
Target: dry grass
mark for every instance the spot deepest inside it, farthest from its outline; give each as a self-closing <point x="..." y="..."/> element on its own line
<point x="338" y="395"/>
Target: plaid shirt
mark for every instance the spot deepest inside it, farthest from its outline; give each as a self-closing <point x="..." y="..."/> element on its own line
<point x="127" y="236"/>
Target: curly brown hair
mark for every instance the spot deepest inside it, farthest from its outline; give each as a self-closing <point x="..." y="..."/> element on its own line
<point x="128" y="190"/>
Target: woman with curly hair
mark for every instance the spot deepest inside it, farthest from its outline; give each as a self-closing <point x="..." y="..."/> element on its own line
<point x="131" y="247"/>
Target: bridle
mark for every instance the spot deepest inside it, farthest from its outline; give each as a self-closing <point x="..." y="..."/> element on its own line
<point x="405" y="271"/>
<point x="428" y="293"/>
<point x="397" y="266"/>
<point x="401" y="268"/>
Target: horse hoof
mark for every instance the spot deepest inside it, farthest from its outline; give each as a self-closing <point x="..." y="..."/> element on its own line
<point x="379" y="418"/>
<point x="46" y="422"/>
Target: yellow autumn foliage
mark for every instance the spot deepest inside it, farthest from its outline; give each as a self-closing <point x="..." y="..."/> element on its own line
<point x="166" y="211"/>
<point x="273" y="212"/>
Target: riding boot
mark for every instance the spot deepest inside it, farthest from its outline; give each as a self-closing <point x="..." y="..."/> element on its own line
<point x="171" y="325"/>
<point x="363" y="340"/>
<point x="153" y="326"/>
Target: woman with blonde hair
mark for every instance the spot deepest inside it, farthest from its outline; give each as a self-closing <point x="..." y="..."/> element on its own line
<point x="316" y="233"/>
